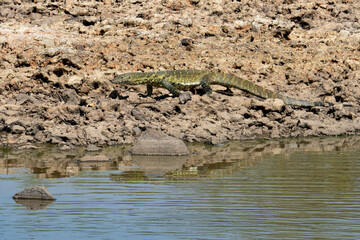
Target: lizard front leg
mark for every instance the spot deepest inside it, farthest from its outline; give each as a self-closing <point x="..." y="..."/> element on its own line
<point x="149" y="90"/>
<point x="170" y="87"/>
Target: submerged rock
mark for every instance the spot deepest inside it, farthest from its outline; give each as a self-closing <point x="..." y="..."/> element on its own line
<point x="153" y="142"/>
<point x="35" y="192"/>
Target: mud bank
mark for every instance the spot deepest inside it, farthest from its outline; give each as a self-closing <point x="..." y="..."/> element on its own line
<point x="57" y="60"/>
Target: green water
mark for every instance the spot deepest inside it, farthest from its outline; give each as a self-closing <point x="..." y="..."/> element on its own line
<point x="290" y="189"/>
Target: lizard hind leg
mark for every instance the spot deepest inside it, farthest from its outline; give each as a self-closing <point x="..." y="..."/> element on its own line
<point x="170" y="87"/>
<point x="205" y="84"/>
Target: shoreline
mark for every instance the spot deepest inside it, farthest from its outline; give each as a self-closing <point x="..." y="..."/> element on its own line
<point x="57" y="63"/>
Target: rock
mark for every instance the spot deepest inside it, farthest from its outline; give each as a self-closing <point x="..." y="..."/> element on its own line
<point x="153" y="142"/>
<point x="270" y="104"/>
<point x="138" y="113"/>
<point x="96" y="158"/>
<point x="187" y="43"/>
<point x="184" y="97"/>
<point x="211" y="128"/>
<point x="74" y="81"/>
<point x="16" y="129"/>
<point x="95" y="115"/>
<point x="201" y="134"/>
<point x="35" y="192"/>
<point x="66" y="148"/>
<point x="63" y="133"/>
<point x="109" y="105"/>
<point x="274" y="116"/>
<point x="217" y="140"/>
<point x="92" y="148"/>
<point x="27" y="147"/>
<point x="69" y="96"/>
<point x="240" y="24"/>
<point x="276" y="105"/>
<point x="94" y="135"/>
<point x="275" y="133"/>
<point x="23" y="99"/>
<point x="90" y="20"/>
<point x="235" y="118"/>
<point x="136" y="131"/>
<point x="194" y="2"/>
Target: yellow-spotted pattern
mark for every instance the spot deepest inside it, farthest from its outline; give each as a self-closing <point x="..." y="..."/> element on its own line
<point x="188" y="79"/>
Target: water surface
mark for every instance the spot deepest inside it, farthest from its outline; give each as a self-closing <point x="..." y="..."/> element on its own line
<point x="289" y="189"/>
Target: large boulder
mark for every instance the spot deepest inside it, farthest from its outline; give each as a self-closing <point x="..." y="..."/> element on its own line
<point x="153" y="142"/>
<point x="35" y="192"/>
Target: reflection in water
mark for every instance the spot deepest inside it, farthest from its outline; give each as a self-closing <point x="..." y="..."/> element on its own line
<point x="158" y="165"/>
<point x="204" y="160"/>
<point x="34" y="204"/>
<point x="288" y="189"/>
<point x="149" y="167"/>
<point x="129" y="176"/>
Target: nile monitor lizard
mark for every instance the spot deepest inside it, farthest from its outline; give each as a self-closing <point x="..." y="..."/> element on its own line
<point x="188" y="79"/>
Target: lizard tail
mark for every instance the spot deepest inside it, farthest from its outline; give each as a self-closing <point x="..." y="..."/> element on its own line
<point x="229" y="80"/>
<point x="301" y="103"/>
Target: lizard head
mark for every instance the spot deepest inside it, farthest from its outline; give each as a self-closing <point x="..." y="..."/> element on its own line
<point x="129" y="78"/>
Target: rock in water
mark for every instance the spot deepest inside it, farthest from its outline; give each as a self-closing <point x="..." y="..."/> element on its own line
<point x="35" y="192"/>
<point x="154" y="142"/>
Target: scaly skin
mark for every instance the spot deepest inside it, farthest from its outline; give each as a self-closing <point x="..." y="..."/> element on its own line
<point x="188" y="79"/>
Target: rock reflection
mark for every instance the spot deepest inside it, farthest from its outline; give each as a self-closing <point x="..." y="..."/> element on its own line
<point x="159" y="165"/>
<point x="34" y="204"/>
<point x="203" y="161"/>
<point x="129" y="176"/>
<point x="150" y="167"/>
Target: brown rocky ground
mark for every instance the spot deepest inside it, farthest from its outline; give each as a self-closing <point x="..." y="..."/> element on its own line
<point x="57" y="59"/>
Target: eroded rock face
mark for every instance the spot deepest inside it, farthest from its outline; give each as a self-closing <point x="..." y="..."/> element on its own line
<point x="35" y="192"/>
<point x="154" y="142"/>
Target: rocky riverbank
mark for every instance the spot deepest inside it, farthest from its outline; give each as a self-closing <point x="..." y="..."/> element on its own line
<point x="57" y="60"/>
